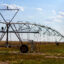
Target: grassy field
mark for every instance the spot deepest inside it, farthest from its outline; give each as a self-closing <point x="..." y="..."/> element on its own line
<point x="42" y="54"/>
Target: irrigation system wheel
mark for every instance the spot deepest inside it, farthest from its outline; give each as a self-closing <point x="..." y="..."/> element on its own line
<point x="24" y="48"/>
<point x="57" y="44"/>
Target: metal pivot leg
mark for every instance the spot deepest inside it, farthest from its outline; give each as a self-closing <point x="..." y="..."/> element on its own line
<point x="7" y="25"/>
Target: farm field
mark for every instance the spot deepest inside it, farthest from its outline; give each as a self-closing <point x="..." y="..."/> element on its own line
<point x="43" y="54"/>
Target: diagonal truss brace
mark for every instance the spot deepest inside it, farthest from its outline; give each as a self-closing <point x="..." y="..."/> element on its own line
<point x="9" y="25"/>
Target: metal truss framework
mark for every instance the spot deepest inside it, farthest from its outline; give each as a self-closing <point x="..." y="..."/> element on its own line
<point x="35" y="31"/>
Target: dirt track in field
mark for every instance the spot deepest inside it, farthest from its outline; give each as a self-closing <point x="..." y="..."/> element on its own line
<point x="4" y="63"/>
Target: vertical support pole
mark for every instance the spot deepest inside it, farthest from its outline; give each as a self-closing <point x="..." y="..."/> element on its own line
<point x="32" y="46"/>
<point x="7" y="36"/>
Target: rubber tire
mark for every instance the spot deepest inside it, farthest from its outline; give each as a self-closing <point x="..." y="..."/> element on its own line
<point x="24" y="48"/>
<point x="57" y="44"/>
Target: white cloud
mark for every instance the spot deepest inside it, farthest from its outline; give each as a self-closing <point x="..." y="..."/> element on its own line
<point x="61" y="13"/>
<point x="39" y="9"/>
<point x="54" y="12"/>
<point x="14" y="6"/>
<point x="58" y="17"/>
<point x="57" y="20"/>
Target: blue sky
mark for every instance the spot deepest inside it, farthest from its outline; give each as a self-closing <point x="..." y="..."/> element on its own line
<point x="45" y="12"/>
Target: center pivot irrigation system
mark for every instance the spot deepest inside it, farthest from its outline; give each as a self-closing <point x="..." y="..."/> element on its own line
<point x="35" y="32"/>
